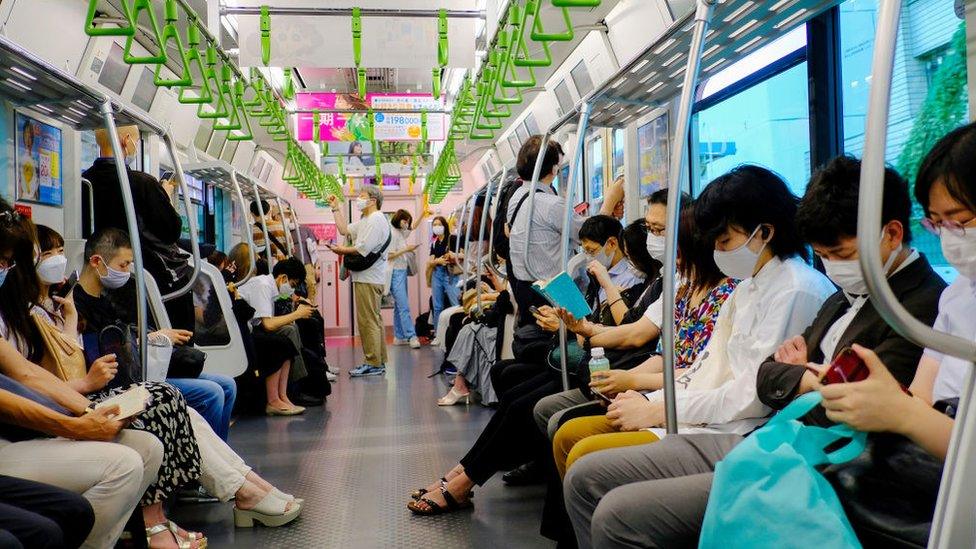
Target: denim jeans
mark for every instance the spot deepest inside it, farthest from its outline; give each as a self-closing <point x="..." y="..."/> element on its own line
<point x="444" y="291"/>
<point x="402" y="317"/>
<point x="212" y="396"/>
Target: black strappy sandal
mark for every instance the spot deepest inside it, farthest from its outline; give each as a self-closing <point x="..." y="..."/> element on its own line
<point x="419" y="493"/>
<point x="435" y="508"/>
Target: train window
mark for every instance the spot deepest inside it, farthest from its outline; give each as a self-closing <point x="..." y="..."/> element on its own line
<point x="564" y="99"/>
<point x="594" y="167"/>
<point x="145" y="90"/>
<point x="521" y="133"/>
<point x="217" y="143"/>
<point x="931" y="55"/>
<point x="210" y="326"/>
<point x="653" y="154"/>
<point x="115" y="70"/>
<point x="531" y="125"/>
<point x="581" y="77"/>
<point x="766" y="124"/>
<point x="513" y="142"/>
<point x="203" y="135"/>
<point x="619" y="142"/>
<point x="266" y="172"/>
<point x="258" y="166"/>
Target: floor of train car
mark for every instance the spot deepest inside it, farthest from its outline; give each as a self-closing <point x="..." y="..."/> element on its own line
<point x="356" y="461"/>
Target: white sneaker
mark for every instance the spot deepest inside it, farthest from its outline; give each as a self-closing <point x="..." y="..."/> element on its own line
<point x="414" y="343"/>
<point x="333" y="370"/>
<point x="331" y="377"/>
<point x="397" y="341"/>
<point x="435" y="342"/>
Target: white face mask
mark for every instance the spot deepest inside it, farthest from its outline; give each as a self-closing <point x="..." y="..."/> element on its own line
<point x="438" y="230"/>
<point x="362" y="203"/>
<point x="404" y="225"/>
<point x="847" y="275"/>
<point x="603" y="257"/>
<point x="51" y="270"/>
<point x="739" y="263"/>
<point x="113" y="279"/>
<point x="285" y="290"/>
<point x="655" y="246"/>
<point x="960" y="251"/>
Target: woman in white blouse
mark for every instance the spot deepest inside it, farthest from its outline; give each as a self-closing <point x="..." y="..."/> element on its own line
<point x="403" y="329"/>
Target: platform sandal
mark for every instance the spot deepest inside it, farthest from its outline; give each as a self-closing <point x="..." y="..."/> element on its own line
<point x="437" y="509"/>
<point x="271" y="511"/>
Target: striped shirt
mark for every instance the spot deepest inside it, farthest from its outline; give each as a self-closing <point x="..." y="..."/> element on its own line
<point x="543" y="238"/>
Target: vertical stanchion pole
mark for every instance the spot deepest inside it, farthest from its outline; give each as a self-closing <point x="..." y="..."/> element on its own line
<point x="481" y="240"/>
<point x="569" y="193"/>
<point x="191" y="218"/>
<point x="467" y="235"/>
<point x="264" y="224"/>
<point x="248" y="234"/>
<point x="108" y="116"/>
<point x="703" y="15"/>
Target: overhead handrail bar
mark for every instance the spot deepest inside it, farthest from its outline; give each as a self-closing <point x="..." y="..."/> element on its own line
<point x="264" y="224"/>
<point x="703" y="16"/>
<point x="575" y="163"/>
<point x="132" y="225"/>
<point x="952" y="522"/>
<point x="311" y="11"/>
<point x="91" y="203"/>
<point x="248" y="233"/>
<point x="191" y="220"/>
<point x="284" y="223"/>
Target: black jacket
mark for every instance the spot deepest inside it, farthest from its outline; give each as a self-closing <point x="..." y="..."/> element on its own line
<point x="917" y="287"/>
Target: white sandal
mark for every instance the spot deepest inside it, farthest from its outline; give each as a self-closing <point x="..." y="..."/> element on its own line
<point x="287" y="497"/>
<point x="270" y="511"/>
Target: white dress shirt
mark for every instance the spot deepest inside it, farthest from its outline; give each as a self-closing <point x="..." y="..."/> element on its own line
<point x="780" y="301"/>
<point x="368" y="235"/>
<point x="956" y="317"/>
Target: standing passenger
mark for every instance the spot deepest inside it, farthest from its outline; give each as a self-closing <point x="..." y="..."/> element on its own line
<point x="443" y="284"/>
<point x="371" y="235"/>
<point x="403" y="330"/>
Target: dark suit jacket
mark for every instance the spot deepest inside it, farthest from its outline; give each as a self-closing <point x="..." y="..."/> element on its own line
<point x="917" y="287"/>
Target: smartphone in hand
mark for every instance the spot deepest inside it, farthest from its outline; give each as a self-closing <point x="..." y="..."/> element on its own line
<point x="846" y="368"/>
<point x="65" y="288"/>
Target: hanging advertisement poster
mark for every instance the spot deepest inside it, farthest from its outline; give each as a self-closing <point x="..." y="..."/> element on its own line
<point x="355" y="126"/>
<point x="654" y="157"/>
<point x="38" y="161"/>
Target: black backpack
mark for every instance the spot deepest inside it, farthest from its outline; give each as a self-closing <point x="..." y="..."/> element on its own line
<point x="500" y="242"/>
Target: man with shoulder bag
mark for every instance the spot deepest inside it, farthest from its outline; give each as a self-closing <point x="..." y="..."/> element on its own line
<point x="366" y="260"/>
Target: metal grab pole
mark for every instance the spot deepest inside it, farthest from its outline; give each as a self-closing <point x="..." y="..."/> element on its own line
<point x="481" y="240"/>
<point x="191" y="219"/>
<point x="467" y="234"/>
<point x="298" y="233"/>
<point x="703" y="15"/>
<point x="569" y="193"/>
<point x="536" y="173"/>
<point x="457" y="238"/>
<point x="264" y="223"/>
<point x="133" y="226"/>
<point x="289" y="243"/>
<point x="952" y="522"/>
<point x="91" y="204"/>
<point x="248" y="234"/>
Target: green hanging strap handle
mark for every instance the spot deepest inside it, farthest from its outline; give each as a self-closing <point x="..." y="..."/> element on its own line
<point x="357" y="37"/>
<point x="171" y="33"/>
<point x="316" y="129"/>
<point x="379" y="167"/>
<point x="442" y="53"/>
<point x="288" y="89"/>
<point x="123" y="30"/>
<point x="576" y="3"/>
<point x="509" y="70"/>
<point x="219" y="101"/>
<point x="227" y="88"/>
<point x="423" y="126"/>
<point x="195" y="60"/>
<point x="520" y="50"/>
<point x="361" y="81"/>
<point x="539" y="33"/>
<point x="342" y="171"/>
<point x="492" y="74"/>
<point x="371" y="126"/>
<point x="255" y="84"/>
<point x="265" y="35"/>
<point x="270" y="116"/>
<point x="245" y="122"/>
<point x="160" y="57"/>
<point x="290" y="173"/>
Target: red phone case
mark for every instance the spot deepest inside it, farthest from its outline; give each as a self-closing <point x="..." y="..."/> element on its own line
<point x="846" y="368"/>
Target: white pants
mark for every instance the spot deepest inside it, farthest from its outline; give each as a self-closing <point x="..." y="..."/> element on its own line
<point x="222" y="471"/>
<point x="112" y="477"/>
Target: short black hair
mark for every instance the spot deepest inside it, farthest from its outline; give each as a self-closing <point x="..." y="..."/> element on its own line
<point x="525" y="164"/>
<point x="106" y="243"/>
<point x="265" y="206"/>
<point x="661" y="197"/>
<point x="747" y="197"/>
<point x="828" y="210"/>
<point x="600" y="228"/>
<point x="952" y="162"/>
<point x="634" y="238"/>
<point x="290" y="267"/>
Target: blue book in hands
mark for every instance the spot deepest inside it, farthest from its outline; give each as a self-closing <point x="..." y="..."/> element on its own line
<point x="561" y="292"/>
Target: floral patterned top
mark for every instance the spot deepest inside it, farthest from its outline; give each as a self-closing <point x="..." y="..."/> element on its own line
<point x="693" y="326"/>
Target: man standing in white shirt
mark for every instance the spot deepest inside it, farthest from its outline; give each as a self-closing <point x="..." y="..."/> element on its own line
<point x="371" y="240"/>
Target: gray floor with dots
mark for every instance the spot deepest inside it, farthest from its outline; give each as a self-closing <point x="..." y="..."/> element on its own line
<point x="356" y="462"/>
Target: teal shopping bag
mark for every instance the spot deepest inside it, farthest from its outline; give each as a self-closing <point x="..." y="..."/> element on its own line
<point x="767" y="492"/>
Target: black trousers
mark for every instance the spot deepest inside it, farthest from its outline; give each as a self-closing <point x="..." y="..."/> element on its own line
<point x="508" y="374"/>
<point x="525" y="297"/>
<point x="511" y="437"/>
<point x="36" y="515"/>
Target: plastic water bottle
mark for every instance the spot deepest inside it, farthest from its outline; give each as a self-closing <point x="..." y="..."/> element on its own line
<point x="598" y="362"/>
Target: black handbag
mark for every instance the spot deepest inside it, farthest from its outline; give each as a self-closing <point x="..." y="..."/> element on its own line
<point x="889" y="492"/>
<point x="186" y="362"/>
<point x="356" y="262"/>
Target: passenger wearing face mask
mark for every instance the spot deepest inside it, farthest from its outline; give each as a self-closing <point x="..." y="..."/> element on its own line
<point x="160" y="225"/>
<point x="444" y="291"/>
<point x="611" y="274"/>
<point x="403" y="329"/>
<point x="371" y="236"/>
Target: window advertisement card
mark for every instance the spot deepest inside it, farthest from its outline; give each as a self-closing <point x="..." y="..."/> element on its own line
<point x="38" y="158"/>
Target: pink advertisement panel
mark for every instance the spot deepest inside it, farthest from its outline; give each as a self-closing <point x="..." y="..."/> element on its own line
<point x="355" y="127"/>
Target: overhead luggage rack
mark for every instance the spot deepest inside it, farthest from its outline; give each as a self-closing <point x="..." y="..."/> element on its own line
<point x="652" y="78"/>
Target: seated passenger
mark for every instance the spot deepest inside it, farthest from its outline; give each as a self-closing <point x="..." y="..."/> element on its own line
<point x="103" y="300"/>
<point x="33" y="514"/>
<point x="827" y="217"/>
<point x="272" y="219"/>
<point x="274" y="347"/>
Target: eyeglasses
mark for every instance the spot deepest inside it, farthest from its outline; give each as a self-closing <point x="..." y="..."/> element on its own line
<point x="954" y="227"/>
<point x="6" y="264"/>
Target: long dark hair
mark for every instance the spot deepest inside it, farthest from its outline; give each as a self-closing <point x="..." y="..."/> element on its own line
<point x="697" y="256"/>
<point x="447" y="226"/>
<point x="21" y="287"/>
<point x="634" y="238"/>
